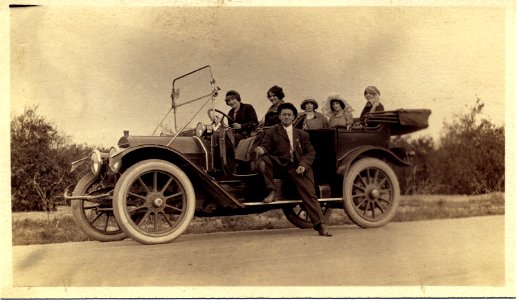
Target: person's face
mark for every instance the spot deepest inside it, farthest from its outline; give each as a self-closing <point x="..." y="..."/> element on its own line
<point x="272" y="97"/>
<point x="369" y="95"/>
<point x="336" y="106"/>
<point x="309" y="107"/>
<point x="232" y="102"/>
<point x="286" y="117"/>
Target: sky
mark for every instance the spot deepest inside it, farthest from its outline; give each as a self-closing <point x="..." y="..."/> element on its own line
<point x="95" y="71"/>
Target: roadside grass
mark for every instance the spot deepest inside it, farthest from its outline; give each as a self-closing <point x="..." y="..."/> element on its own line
<point x="59" y="227"/>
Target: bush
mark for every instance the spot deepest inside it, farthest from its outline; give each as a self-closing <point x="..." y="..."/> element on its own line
<point x="469" y="158"/>
<point x="40" y="162"/>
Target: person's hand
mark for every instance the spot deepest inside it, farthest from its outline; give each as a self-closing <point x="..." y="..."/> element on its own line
<point x="260" y="151"/>
<point x="300" y="170"/>
<point x="236" y="126"/>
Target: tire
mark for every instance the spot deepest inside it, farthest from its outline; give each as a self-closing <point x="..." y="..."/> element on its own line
<point x="299" y="217"/>
<point x="371" y="193"/>
<point x="95" y="219"/>
<point x="154" y="202"/>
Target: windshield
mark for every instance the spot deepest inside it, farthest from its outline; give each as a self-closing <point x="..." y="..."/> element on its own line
<point x="192" y="95"/>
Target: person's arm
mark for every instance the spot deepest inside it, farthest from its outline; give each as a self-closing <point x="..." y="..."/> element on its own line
<point x="265" y="144"/>
<point x="230" y="113"/>
<point x="349" y="118"/>
<point x="251" y="119"/>
<point x="366" y="109"/>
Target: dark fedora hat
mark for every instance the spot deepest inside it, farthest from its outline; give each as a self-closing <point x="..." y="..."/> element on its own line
<point x="288" y="105"/>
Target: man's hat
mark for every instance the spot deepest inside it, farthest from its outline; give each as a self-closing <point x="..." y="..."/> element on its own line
<point x="288" y="106"/>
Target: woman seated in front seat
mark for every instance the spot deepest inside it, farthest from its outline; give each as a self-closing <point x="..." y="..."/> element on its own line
<point x="244" y="116"/>
<point x="245" y="151"/>
<point x="276" y="96"/>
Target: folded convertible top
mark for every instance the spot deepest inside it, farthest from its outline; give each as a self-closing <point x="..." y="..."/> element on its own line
<point x="402" y="121"/>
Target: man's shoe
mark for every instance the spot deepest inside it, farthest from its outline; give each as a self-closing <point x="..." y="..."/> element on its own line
<point x="271" y="197"/>
<point x="323" y="231"/>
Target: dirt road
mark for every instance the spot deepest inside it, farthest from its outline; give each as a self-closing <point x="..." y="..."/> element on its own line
<point x="452" y="252"/>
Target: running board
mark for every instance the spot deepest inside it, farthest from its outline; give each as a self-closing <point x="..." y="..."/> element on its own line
<point x="281" y="202"/>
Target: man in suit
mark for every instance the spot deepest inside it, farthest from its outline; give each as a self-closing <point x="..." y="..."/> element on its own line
<point x="288" y="151"/>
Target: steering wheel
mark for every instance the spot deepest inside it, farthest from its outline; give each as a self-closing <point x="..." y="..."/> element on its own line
<point x="212" y="114"/>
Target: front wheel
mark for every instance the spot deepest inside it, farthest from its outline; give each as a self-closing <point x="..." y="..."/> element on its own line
<point x="371" y="193"/>
<point x="95" y="218"/>
<point x="154" y="202"/>
<point x="298" y="216"/>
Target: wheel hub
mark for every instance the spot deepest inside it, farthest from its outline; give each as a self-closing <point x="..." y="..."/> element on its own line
<point x="158" y="202"/>
<point x="155" y="200"/>
<point x="372" y="193"/>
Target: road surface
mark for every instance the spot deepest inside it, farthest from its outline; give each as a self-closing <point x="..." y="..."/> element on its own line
<point x="451" y="252"/>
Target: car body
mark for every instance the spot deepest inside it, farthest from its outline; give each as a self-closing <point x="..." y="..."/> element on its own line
<point x="150" y="187"/>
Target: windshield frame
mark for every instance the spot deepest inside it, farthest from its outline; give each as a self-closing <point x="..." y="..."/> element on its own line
<point x="175" y="95"/>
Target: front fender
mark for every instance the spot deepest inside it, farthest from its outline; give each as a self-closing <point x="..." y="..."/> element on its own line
<point x="76" y="164"/>
<point x="196" y="174"/>
<point x="345" y="161"/>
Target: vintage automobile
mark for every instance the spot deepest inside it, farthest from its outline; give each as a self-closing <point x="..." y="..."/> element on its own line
<point x="149" y="188"/>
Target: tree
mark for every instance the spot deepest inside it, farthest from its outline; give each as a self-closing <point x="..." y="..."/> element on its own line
<point x="416" y="179"/>
<point x="40" y="161"/>
<point x="470" y="159"/>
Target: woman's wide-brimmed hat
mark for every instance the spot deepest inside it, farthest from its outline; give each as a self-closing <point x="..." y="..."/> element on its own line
<point x="336" y="98"/>
<point x="327" y="106"/>
<point x="309" y="100"/>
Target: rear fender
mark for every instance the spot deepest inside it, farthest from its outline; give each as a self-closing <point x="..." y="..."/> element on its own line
<point x="345" y="161"/>
<point x="200" y="179"/>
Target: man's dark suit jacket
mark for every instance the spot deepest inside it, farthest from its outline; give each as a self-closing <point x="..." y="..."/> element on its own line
<point x="276" y="145"/>
<point x="247" y="117"/>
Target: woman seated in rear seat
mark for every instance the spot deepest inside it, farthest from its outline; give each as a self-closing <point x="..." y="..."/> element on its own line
<point x="341" y="112"/>
<point x="373" y="104"/>
<point x="310" y="119"/>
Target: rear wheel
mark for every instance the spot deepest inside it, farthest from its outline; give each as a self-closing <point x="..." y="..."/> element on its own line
<point x="371" y="193"/>
<point x="298" y="216"/>
<point x="154" y="202"/>
<point x="95" y="218"/>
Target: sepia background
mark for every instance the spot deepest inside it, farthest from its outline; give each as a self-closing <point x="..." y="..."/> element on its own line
<point x="95" y="71"/>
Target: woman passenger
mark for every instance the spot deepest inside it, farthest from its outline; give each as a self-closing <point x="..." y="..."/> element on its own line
<point x="246" y="150"/>
<point x="276" y="95"/>
<point x="310" y="119"/>
<point x="341" y="112"/>
<point x="243" y="115"/>
<point x="373" y="103"/>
